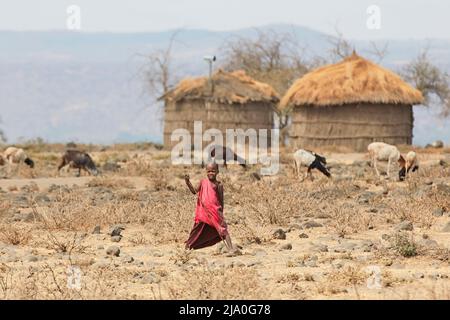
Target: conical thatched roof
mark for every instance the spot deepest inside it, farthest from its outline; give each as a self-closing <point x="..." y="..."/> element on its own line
<point x="353" y="80"/>
<point x="229" y="87"/>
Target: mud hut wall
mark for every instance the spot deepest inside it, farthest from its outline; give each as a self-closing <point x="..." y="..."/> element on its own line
<point x="222" y="116"/>
<point x="353" y="126"/>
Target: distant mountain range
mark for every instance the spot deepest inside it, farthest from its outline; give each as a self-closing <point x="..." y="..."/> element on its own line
<point x="88" y="87"/>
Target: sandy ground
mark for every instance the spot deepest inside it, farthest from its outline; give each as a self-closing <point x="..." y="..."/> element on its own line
<point x="337" y="244"/>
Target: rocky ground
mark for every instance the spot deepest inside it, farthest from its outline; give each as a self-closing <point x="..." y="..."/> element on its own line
<point x="120" y="236"/>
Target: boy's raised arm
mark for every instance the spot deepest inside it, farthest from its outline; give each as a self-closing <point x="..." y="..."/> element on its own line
<point x="189" y="184"/>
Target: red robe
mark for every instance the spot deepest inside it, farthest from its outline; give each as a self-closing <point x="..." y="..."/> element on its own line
<point x="209" y="227"/>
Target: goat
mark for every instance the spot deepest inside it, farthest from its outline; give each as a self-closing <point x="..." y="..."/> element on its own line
<point x="411" y="162"/>
<point x="78" y="160"/>
<point x="13" y="155"/>
<point x="380" y="151"/>
<point x="311" y="160"/>
<point x="18" y="156"/>
<point x="225" y="153"/>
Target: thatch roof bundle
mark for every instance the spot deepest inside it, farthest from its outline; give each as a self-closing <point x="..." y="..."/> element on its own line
<point x="353" y="80"/>
<point x="227" y="87"/>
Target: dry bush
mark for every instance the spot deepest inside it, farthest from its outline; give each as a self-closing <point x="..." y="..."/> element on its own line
<point x="5" y="207"/>
<point x="404" y="245"/>
<point x="439" y="291"/>
<point x="339" y="280"/>
<point x="222" y="284"/>
<point x="110" y="183"/>
<point x="141" y="166"/>
<point x="138" y="239"/>
<point x="418" y="210"/>
<point x="15" y="234"/>
<point x="347" y="220"/>
<point x="66" y="243"/>
<point x="76" y="212"/>
<point x="252" y="233"/>
<point x="170" y="218"/>
<point x="267" y="204"/>
<point x="181" y="256"/>
<point x="51" y="282"/>
<point x="6" y="280"/>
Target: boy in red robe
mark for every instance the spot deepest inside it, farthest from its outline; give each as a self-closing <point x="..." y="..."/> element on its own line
<point x="209" y="227"/>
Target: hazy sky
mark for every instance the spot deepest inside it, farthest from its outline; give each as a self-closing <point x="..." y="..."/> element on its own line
<point x="398" y="18"/>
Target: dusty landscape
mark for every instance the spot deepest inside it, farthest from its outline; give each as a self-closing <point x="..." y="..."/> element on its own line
<point x="121" y="235"/>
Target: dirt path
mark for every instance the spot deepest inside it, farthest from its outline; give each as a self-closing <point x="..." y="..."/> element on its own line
<point x="44" y="183"/>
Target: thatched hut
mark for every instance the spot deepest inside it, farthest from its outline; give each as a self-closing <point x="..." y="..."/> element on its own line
<point x="351" y="103"/>
<point x="225" y="101"/>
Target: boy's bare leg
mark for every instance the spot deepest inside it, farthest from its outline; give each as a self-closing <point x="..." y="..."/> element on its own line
<point x="228" y="242"/>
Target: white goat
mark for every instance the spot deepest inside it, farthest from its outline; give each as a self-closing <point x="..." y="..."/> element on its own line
<point x="14" y="155"/>
<point x="311" y="160"/>
<point x="380" y="151"/>
<point x="411" y="162"/>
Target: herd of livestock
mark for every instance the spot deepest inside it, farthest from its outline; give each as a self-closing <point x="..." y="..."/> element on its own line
<point x="75" y="159"/>
<point x="378" y="151"/>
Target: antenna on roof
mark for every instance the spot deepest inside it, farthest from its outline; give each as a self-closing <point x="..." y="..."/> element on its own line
<point x="210" y="60"/>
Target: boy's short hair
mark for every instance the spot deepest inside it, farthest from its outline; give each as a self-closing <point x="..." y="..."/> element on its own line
<point x="213" y="164"/>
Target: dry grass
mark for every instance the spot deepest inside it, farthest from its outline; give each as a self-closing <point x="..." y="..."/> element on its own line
<point x="15" y="234"/>
<point x="161" y="215"/>
<point x="235" y="283"/>
<point x="110" y="183"/>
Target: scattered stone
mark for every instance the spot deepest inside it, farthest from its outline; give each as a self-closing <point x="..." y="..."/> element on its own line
<point x="127" y="259"/>
<point x="322" y="215"/>
<point x="317" y="247"/>
<point x="365" y="197"/>
<point x="116" y="230"/>
<point x="419" y="275"/>
<point x="150" y="278"/>
<point x="388" y="262"/>
<point x="428" y="182"/>
<point x="428" y="243"/>
<point x="338" y="264"/>
<point x="442" y="187"/>
<point x="234" y="253"/>
<point x="446" y="228"/>
<point x="116" y="238"/>
<point x="42" y="198"/>
<point x="110" y="166"/>
<point x="158" y="254"/>
<point x="113" y="251"/>
<point x="254" y="263"/>
<point x="286" y="246"/>
<point x="104" y="263"/>
<point x="100" y="247"/>
<point x="279" y="234"/>
<point x="311" y="262"/>
<point x="238" y="264"/>
<point x="256" y="176"/>
<point x="294" y="226"/>
<point x="96" y="230"/>
<point x="311" y="224"/>
<point x="259" y="253"/>
<point x="385" y="237"/>
<point x="404" y="226"/>
<point x="439" y="212"/>
<point x="31" y="258"/>
<point x="24" y="217"/>
<point x="303" y="236"/>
